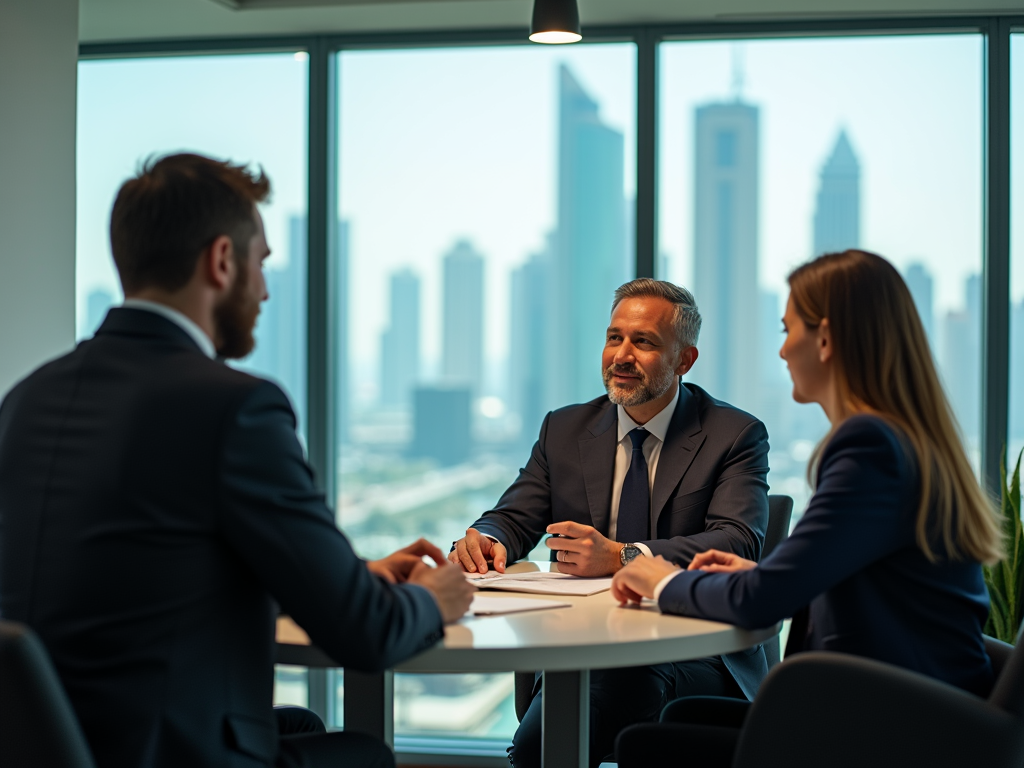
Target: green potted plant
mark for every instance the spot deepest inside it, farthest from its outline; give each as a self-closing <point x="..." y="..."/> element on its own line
<point x="1005" y="579"/>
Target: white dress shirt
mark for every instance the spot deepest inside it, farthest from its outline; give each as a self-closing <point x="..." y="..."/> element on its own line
<point x="658" y="427"/>
<point x="197" y="334"/>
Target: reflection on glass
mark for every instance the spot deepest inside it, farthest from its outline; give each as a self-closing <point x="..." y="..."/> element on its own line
<point x="772" y="152"/>
<point x="487" y="196"/>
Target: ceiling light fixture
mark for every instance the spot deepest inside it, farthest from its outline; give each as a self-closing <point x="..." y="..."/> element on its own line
<point x="555" y="22"/>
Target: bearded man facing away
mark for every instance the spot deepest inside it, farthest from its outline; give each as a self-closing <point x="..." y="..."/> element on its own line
<point x="656" y="467"/>
<point x="156" y="507"/>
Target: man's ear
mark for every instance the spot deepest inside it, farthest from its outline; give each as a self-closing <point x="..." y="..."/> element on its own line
<point x="824" y="341"/>
<point x="686" y="360"/>
<point x="218" y="263"/>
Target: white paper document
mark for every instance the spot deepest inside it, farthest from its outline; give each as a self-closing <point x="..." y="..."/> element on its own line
<point x="495" y="606"/>
<point x="541" y="583"/>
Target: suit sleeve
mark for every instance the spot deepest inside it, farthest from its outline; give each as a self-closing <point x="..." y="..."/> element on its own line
<point x="862" y="511"/>
<point x="523" y="512"/>
<point x="276" y="521"/>
<point x="737" y="515"/>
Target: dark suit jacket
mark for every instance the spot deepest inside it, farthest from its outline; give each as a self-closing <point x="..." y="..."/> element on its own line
<point x="154" y="504"/>
<point x="854" y="557"/>
<point x="710" y="490"/>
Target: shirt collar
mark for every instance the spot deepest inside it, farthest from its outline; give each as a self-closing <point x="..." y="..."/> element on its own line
<point x="657" y="426"/>
<point x="197" y="334"/>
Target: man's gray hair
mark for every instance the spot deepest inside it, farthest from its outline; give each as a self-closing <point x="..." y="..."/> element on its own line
<point x="687" y="316"/>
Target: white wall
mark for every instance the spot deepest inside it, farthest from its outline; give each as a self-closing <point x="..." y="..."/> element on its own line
<point x="38" y="72"/>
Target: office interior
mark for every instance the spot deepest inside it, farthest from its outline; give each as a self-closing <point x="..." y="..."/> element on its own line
<point x="453" y="202"/>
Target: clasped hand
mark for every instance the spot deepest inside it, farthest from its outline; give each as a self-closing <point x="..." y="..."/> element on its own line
<point x="641" y="577"/>
<point x="448" y="586"/>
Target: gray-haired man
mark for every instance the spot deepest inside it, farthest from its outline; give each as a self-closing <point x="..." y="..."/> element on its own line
<point x="656" y="467"/>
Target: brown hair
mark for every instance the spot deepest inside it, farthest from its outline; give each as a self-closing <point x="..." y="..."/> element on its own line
<point x="175" y="207"/>
<point x="883" y="364"/>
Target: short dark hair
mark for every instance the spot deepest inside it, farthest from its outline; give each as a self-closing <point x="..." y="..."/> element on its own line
<point x="687" y="317"/>
<point x="175" y="207"/>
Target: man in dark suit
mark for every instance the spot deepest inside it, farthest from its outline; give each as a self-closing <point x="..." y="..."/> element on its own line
<point x="654" y="468"/>
<point x="156" y="507"/>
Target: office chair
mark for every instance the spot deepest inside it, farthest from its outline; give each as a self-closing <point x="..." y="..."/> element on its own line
<point x="822" y="708"/>
<point x="37" y="725"/>
<point x="780" y="510"/>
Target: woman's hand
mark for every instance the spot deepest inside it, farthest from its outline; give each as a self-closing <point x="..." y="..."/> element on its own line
<point x="714" y="561"/>
<point x="640" y="578"/>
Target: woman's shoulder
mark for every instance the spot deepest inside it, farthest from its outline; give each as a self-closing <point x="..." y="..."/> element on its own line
<point x="873" y="442"/>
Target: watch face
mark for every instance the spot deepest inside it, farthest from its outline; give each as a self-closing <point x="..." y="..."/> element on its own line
<point x="629" y="552"/>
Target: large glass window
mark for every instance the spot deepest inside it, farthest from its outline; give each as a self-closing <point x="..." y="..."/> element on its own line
<point x="486" y="214"/>
<point x="246" y="108"/>
<point x="772" y="152"/>
<point x="1015" y="431"/>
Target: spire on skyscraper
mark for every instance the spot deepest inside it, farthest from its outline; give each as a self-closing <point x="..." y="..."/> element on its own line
<point x="837" y="217"/>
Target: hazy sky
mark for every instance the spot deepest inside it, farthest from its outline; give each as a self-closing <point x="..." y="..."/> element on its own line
<point x="442" y="144"/>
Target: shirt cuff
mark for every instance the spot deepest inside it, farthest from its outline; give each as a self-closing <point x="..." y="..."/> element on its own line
<point x="644" y="549"/>
<point x="664" y="583"/>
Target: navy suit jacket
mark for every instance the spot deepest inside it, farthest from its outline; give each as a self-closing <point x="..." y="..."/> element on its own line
<point x="710" y="490"/>
<point x="854" y="558"/>
<point x="154" y="504"/>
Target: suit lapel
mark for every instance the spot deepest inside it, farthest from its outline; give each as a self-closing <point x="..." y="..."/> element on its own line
<point x="685" y="436"/>
<point x="597" y="456"/>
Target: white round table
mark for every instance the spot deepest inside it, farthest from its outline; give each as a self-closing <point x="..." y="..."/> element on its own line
<point x="595" y="632"/>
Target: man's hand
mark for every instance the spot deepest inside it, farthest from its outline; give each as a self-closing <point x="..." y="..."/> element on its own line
<point x="396" y="567"/>
<point x="583" y="551"/>
<point x="474" y="550"/>
<point x="640" y="578"/>
<point x="714" y="561"/>
<point x="449" y="586"/>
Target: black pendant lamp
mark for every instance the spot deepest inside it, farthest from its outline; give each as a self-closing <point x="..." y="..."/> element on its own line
<point x="555" y="22"/>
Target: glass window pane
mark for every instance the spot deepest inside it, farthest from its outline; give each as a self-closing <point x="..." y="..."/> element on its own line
<point x="772" y="152"/>
<point x="1015" y="432"/>
<point x="245" y="108"/>
<point x="486" y="207"/>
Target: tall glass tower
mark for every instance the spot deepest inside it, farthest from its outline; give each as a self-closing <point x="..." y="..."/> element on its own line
<point x="589" y="254"/>
<point x="462" y="352"/>
<point x="837" y="215"/>
<point x="400" y="343"/>
<point x="726" y="220"/>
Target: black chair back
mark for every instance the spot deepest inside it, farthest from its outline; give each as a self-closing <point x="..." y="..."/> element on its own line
<point x="37" y="724"/>
<point x="780" y="512"/>
<point x="1008" y="693"/>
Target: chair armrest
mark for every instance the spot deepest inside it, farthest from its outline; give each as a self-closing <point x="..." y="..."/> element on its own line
<point x="839" y="710"/>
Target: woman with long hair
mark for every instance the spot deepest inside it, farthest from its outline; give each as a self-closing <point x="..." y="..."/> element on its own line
<point x="888" y="555"/>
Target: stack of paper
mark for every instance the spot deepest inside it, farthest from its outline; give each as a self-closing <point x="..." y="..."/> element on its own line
<point x="541" y="583"/>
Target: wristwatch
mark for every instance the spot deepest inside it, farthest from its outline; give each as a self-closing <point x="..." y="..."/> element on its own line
<point x="629" y="553"/>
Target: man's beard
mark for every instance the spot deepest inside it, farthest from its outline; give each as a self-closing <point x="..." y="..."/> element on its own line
<point x="648" y="389"/>
<point x="235" y="318"/>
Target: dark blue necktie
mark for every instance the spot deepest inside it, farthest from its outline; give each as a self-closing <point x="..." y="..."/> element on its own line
<point x="635" y="499"/>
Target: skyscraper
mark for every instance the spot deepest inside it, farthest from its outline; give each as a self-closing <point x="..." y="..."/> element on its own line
<point x="961" y="359"/>
<point x="837" y="214"/>
<point x="280" y="351"/>
<point x="400" y="343"/>
<point x="341" y="318"/>
<point x="462" y="349"/>
<point x="527" y="325"/>
<point x="919" y="281"/>
<point x="726" y="221"/>
<point x="589" y="260"/>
